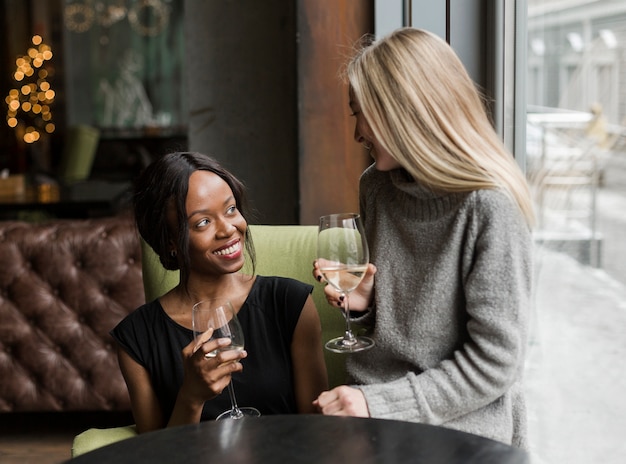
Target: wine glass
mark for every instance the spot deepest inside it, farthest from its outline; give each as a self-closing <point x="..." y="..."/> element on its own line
<point x="343" y="256"/>
<point x="220" y="316"/>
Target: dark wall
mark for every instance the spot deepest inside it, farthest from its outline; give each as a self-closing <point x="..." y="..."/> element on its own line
<point x="241" y="58"/>
<point x="263" y="83"/>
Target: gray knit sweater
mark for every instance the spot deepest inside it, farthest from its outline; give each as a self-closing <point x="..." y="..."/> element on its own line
<point x="452" y="296"/>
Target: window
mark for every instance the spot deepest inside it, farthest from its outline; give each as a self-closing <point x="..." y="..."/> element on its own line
<point x="576" y="167"/>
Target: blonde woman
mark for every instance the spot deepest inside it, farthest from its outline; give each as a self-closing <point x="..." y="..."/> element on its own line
<point x="448" y="216"/>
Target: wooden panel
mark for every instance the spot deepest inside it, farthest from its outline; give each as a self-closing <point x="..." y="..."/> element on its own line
<point x="330" y="160"/>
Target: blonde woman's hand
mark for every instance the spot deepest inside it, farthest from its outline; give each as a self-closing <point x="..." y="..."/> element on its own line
<point x="342" y="401"/>
<point x="360" y="297"/>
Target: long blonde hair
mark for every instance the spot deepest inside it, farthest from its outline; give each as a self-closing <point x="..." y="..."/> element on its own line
<point x="425" y="110"/>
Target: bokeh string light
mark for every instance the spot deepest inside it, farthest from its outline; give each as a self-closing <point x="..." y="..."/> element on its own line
<point x="147" y="17"/>
<point x="29" y="102"/>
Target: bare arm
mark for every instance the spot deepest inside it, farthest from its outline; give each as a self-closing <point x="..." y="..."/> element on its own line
<point x="144" y="404"/>
<point x="310" y="376"/>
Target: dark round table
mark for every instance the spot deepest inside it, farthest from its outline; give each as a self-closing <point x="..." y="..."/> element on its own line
<point x="306" y="439"/>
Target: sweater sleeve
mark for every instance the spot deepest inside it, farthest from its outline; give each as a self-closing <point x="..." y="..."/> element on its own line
<point x="496" y="273"/>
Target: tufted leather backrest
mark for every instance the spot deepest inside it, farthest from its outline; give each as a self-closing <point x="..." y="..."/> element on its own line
<point x="63" y="285"/>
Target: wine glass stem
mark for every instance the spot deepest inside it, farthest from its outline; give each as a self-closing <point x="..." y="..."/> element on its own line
<point x="235" y="413"/>
<point x="348" y="337"/>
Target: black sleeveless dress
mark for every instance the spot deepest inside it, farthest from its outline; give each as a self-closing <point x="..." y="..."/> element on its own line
<point x="268" y="317"/>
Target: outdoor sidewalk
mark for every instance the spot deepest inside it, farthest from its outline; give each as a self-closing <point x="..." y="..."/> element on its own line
<point x="576" y="364"/>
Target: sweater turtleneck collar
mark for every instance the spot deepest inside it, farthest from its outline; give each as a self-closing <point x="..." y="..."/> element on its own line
<point x="421" y="199"/>
<point x="402" y="180"/>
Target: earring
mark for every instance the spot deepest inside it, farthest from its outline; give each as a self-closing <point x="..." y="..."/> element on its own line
<point x="173" y="253"/>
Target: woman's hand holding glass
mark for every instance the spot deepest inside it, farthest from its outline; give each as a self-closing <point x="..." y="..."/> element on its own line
<point x="205" y="378"/>
<point x="360" y="298"/>
<point x="343" y="261"/>
<point x="216" y="321"/>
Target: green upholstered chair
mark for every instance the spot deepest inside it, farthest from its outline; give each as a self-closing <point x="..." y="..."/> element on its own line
<point x="286" y="251"/>
<point x="92" y="439"/>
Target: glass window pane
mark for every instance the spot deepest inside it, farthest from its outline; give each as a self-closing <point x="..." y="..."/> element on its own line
<point x="125" y="65"/>
<point x="576" y="166"/>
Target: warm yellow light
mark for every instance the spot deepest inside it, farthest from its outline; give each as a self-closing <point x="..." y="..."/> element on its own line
<point x="31" y="135"/>
<point x="30" y="98"/>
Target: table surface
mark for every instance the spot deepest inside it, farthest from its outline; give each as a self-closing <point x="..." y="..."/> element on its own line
<point x="306" y="439"/>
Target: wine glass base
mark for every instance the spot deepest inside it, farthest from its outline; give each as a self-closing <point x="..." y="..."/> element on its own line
<point x="341" y="345"/>
<point x="245" y="412"/>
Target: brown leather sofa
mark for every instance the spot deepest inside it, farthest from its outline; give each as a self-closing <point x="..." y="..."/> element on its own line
<point x="63" y="285"/>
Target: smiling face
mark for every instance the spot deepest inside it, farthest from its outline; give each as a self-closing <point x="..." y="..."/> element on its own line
<point x="216" y="227"/>
<point x="363" y="134"/>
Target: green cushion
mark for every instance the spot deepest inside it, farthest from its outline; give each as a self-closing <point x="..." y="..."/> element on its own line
<point x="96" y="438"/>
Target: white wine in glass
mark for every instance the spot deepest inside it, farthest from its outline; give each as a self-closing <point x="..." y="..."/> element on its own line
<point x="342" y="257"/>
<point x="220" y="316"/>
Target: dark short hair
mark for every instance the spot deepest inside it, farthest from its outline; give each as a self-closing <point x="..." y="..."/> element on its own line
<point x="164" y="184"/>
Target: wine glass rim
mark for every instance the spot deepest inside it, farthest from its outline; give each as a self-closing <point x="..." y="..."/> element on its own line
<point x="341" y="215"/>
<point x="225" y="301"/>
